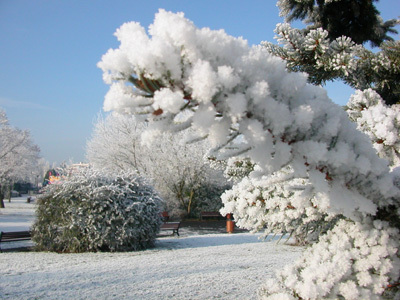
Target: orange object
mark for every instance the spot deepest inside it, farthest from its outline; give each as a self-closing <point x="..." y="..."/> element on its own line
<point x="230" y="225"/>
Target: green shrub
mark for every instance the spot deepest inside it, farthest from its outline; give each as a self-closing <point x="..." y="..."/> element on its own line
<point x="92" y="211"/>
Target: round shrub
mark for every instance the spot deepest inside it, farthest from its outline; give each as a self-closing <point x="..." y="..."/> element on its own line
<point x="93" y="211"/>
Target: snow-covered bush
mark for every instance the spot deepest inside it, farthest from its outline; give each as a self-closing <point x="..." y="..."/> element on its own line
<point x="91" y="211"/>
<point x="245" y="102"/>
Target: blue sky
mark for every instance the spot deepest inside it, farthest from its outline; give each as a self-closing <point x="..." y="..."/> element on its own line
<point x="49" y="82"/>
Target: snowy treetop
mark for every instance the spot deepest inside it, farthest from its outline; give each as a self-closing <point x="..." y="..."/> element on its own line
<point x="232" y="90"/>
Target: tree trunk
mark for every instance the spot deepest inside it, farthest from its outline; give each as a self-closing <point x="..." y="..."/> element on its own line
<point x="7" y="193"/>
<point x="189" y="207"/>
<point x="1" y="198"/>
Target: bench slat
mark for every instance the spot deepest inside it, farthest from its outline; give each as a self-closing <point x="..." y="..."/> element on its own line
<point x="14" y="236"/>
<point x="15" y="239"/>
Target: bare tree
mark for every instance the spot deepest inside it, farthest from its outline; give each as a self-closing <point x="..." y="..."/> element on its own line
<point x="19" y="156"/>
<point x="115" y="143"/>
<point x="177" y="170"/>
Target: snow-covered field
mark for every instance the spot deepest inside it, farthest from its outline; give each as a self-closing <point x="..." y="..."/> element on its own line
<point x="193" y="266"/>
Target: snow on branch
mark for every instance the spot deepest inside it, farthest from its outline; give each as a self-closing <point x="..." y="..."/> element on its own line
<point x="227" y="84"/>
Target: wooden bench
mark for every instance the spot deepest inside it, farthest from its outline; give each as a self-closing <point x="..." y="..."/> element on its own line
<point x="210" y="214"/>
<point x="15" y="236"/>
<point x="174" y="226"/>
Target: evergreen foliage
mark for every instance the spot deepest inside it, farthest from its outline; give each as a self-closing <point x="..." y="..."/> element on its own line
<point x="357" y="19"/>
<point x="331" y="47"/>
<point x="279" y="204"/>
<point x="91" y="211"/>
<point x="379" y="121"/>
<point x="325" y="60"/>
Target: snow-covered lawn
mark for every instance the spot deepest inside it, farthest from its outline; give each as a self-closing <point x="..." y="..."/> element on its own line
<point x="18" y="214"/>
<point x="212" y="266"/>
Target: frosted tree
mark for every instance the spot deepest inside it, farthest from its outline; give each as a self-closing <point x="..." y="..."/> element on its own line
<point x="115" y="144"/>
<point x="181" y="174"/>
<point x="177" y="170"/>
<point x="245" y="102"/>
<point x="19" y="156"/>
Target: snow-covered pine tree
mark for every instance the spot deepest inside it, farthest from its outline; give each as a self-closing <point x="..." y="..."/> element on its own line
<point x="357" y="19"/>
<point x="234" y="90"/>
<point x="326" y="60"/>
<point x="326" y="55"/>
<point x="332" y="49"/>
<point x="93" y="211"/>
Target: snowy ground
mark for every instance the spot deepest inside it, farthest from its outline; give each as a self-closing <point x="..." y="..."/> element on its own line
<point x="211" y="266"/>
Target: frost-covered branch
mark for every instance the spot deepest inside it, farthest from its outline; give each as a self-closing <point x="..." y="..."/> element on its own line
<point x="325" y="60"/>
<point x="379" y="121"/>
